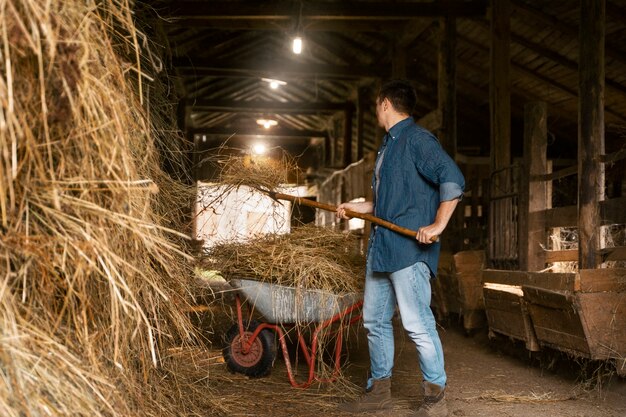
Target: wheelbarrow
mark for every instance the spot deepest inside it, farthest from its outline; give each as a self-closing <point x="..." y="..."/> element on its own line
<point x="250" y="345"/>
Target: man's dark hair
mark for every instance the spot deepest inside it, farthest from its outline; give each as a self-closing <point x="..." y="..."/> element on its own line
<point x="400" y="93"/>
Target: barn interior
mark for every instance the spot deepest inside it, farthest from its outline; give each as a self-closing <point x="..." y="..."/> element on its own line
<point x="509" y="92"/>
<point x="113" y="113"/>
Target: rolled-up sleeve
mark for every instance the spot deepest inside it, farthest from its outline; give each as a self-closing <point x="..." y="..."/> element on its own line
<point x="450" y="191"/>
<point x="437" y="166"/>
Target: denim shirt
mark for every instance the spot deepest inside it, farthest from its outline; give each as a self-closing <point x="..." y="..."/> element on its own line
<point x="415" y="175"/>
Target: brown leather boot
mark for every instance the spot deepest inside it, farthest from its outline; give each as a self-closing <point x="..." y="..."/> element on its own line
<point x="434" y="404"/>
<point x="377" y="398"/>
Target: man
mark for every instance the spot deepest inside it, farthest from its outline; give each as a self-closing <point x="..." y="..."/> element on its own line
<point x="415" y="185"/>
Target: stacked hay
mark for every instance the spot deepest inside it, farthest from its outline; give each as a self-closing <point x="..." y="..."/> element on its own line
<point x="91" y="280"/>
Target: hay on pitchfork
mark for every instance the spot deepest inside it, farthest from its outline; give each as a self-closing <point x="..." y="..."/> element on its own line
<point x="235" y="167"/>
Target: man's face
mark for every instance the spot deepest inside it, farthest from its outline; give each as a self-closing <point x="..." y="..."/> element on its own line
<point x="380" y="105"/>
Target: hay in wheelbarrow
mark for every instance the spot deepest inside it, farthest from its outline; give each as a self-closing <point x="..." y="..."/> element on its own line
<point x="309" y="257"/>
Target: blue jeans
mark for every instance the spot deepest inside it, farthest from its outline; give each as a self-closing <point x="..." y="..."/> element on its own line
<point x="410" y="289"/>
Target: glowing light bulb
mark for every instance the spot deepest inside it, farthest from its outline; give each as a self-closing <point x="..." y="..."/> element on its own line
<point x="297" y="45"/>
<point x="273" y="83"/>
<point x="259" y="148"/>
<point x="266" y="123"/>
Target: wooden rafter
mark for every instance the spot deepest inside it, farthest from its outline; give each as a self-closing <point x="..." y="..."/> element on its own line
<point x="558" y="58"/>
<point x="274" y="69"/>
<point x="343" y="10"/>
<point x="521" y="70"/>
<point x="537" y="15"/>
<point x="248" y="131"/>
<point x="269" y="106"/>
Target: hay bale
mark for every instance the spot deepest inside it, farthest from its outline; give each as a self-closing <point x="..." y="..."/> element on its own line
<point x="92" y="271"/>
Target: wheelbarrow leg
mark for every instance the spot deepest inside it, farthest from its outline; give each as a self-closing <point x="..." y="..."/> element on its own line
<point x="240" y="315"/>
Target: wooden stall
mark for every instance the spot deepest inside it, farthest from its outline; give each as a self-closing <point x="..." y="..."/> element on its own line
<point x="588" y="321"/>
<point x="507" y="308"/>
<point x="566" y="293"/>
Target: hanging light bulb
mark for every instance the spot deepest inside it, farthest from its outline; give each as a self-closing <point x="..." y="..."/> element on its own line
<point x="266" y="123"/>
<point x="273" y="83"/>
<point x="297" y="45"/>
<point x="259" y="148"/>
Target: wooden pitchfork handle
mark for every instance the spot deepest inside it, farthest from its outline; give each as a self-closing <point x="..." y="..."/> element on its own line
<point x="349" y="213"/>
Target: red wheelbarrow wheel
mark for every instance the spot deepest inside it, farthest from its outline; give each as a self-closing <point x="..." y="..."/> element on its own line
<point x="258" y="361"/>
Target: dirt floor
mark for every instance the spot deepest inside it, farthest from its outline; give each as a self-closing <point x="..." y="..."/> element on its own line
<point x="487" y="377"/>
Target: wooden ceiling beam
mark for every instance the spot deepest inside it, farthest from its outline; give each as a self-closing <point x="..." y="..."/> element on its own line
<point x="531" y="12"/>
<point x="615" y="12"/>
<point x="284" y="69"/>
<point x="557" y="58"/>
<point x="308" y="25"/>
<point x="248" y="131"/>
<point x="523" y="71"/>
<point x="268" y="106"/>
<point x="561" y="60"/>
<point x="411" y="31"/>
<point x="340" y="10"/>
<point x="479" y="96"/>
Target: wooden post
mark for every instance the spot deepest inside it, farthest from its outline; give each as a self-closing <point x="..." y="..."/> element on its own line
<point x="500" y="235"/>
<point x="347" y="138"/>
<point x="500" y="85"/>
<point x="379" y="131"/>
<point x="447" y="83"/>
<point x="534" y="193"/>
<point x="328" y="161"/>
<point x="590" y="131"/>
<point x="362" y="102"/>
<point x="190" y="158"/>
<point x="398" y="59"/>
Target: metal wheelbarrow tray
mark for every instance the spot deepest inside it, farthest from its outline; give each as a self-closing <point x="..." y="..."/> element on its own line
<point x="279" y="304"/>
<point x="250" y="345"/>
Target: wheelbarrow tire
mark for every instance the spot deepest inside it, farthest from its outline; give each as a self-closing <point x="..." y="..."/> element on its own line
<point x="259" y="360"/>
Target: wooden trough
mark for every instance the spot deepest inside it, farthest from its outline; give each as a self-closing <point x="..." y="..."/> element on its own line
<point x="583" y="314"/>
<point x="507" y="313"/>
<point x="468" y="266"/>
<point x="458" y="288"/>
<point x="445" y="288"/>
<point x="507" y="309"/>
<point x="588" y="322"/>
